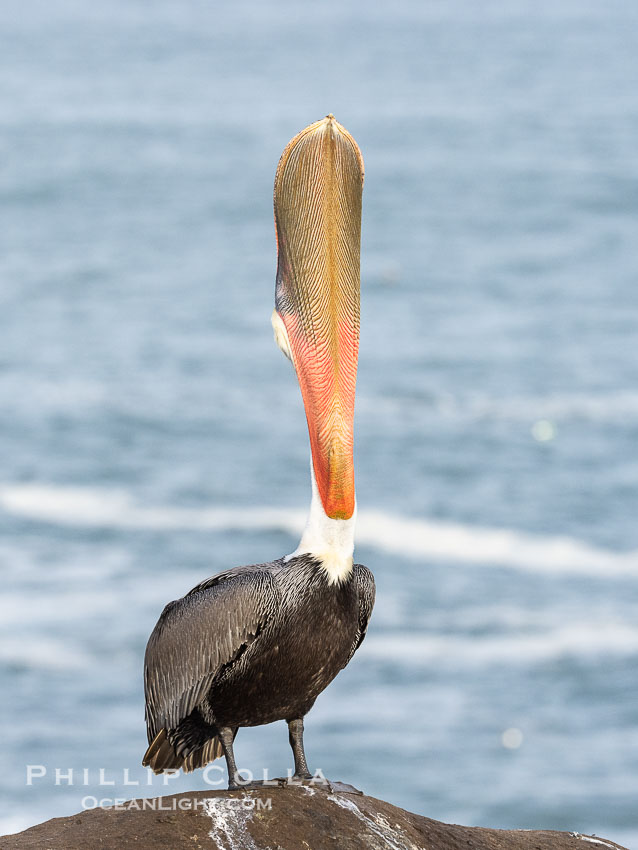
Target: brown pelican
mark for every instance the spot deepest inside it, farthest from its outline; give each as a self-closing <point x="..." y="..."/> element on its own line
<point x="259" y="643"/>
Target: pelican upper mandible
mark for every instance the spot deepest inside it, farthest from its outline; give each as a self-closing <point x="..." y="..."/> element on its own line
<point x="255" y="644"/>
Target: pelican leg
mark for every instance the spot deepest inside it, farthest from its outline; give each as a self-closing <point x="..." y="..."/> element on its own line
<point x="226" y="735"/>
<point x="295" y="736"/>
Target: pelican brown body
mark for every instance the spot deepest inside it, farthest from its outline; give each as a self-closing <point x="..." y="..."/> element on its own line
<point x="259" y="643"/>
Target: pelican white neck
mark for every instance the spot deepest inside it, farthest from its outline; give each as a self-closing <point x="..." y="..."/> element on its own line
<point x="329" y="541"/>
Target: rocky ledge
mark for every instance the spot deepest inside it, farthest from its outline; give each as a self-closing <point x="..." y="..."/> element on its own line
<point x="283" y="817"/>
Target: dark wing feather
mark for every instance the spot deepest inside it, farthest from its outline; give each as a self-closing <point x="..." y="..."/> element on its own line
<point x="366" y="588"/>
<point x="198" y="635"/>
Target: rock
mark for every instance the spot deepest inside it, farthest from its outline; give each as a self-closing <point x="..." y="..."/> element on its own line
<point x="283" y="817"/>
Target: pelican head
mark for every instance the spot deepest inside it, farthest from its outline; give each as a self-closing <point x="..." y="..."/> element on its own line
<point x="318" y="188"/>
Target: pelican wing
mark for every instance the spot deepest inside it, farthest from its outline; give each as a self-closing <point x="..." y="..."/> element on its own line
<point x="198" y="636"/>
<point x="367" y="590"/>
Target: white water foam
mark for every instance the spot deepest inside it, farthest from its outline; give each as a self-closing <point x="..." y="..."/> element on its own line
<point x="415" y="538"/>
<point x="573" y="640"/>
<point x="620" y="407"/>
<point x="95" y="508"/>
<point x="49" y="654"/>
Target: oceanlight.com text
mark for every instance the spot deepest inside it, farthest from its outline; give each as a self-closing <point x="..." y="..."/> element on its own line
<point x="172" y="804"/>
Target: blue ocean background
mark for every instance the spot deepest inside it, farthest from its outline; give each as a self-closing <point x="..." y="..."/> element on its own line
<point x="152" y="435"/>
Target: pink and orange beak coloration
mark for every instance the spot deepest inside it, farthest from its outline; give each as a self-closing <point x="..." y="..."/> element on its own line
<point x="318" y="188"/>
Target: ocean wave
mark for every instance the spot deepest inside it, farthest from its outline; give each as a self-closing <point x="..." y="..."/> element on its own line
<point x="574" y="640"/>
<point x="490" y="546"/>
<point x="614" y="407"/>
<point x="17" y="822"/>
<point x="398" y="535"/>
<point x="93" y="507"/>
<point x="49" y="654"/>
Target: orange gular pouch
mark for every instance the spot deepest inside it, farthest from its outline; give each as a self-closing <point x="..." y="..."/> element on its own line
<point x="318" y="190"/>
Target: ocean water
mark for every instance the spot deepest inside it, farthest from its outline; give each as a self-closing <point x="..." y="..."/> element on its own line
<point x="151" y="434"/>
